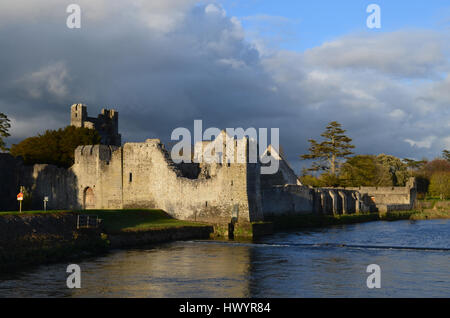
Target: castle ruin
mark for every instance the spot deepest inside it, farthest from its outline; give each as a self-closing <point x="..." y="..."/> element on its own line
<point x="143" y="175"/>
<point x="106" y="124"/>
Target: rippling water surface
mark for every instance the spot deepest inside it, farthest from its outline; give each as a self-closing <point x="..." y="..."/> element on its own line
<point x="413" y="256"/>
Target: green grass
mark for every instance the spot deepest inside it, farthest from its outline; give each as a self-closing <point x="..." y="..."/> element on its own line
<point x="430" y="215"/>
<point x="33" y="212"/>
<point x="116" y="221"/>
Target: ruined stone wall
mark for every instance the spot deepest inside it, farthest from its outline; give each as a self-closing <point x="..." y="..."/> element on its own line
<point x="298" y="200"/>
<point x="106" y="124"/>
<point x="284" y="175"/>
<point x="39" y="180"/>
<point x="58" y="184"/>
<point x="142" y="175"/>
<point x="99" y="170"/>
<point x="157" y="183"/>
<point x="386" y="199"/>
<point x="289" y="199"/>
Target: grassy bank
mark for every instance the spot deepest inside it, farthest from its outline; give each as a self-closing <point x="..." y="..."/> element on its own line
<point x="120" y="221"/>
<point x="39" y="237"/>
<point x="430" y="215"/>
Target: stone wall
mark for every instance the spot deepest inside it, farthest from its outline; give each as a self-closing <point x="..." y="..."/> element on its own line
<point x="289" y="199"/>
<point x="106" y="123"/>
<point x="385" y="199"/>
<point x="298" y="200"/>
<point x="99" y="171"/>
<point x="294" y="199"/>
<point x="142" y="175"/>
<point x="58" y="184"/>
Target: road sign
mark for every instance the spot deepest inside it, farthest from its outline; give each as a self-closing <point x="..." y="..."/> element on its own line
<point x="20" y="196"/>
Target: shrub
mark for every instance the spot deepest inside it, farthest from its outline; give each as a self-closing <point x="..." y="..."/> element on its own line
<point x="440" y="185"/>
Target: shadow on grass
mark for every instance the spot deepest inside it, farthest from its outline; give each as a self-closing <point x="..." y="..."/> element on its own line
<point x="116" y="221"/>
<point x="129" y="220"/>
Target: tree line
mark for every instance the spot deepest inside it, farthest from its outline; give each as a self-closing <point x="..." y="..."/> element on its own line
<point x="335" y="165"/>
<point x="55" y="147"/>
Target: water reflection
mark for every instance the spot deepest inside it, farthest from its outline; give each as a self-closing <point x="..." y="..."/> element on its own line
<point x="173" y="270"/>
<point x="300" y="264"/>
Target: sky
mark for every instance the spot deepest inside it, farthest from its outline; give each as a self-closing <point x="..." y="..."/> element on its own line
<point x="292" y="65"/>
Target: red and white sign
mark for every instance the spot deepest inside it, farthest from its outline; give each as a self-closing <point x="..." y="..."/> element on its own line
<point x="20" y="196"/>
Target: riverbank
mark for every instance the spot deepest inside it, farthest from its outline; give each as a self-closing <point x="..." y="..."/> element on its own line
<point x="40" y="237"/>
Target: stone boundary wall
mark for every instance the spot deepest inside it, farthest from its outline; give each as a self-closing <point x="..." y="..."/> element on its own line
<point x="299" y="200"/>
<point x="385" y="199"/>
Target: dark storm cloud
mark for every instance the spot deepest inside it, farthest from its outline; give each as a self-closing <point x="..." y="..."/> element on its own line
<point x="165" y="63"/>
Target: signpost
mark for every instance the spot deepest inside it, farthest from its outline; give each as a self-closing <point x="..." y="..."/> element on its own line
<point x="20" y="199"/>
<point x="45" y="203"/>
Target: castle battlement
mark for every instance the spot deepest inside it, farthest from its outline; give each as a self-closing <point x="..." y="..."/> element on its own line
<point x="106" y="123"/>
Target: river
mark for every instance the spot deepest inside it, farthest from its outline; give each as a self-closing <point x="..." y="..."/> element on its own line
<point x="329" y="262"/>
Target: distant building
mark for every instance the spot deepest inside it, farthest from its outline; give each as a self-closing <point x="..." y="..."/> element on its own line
<point x="107" y="123"/>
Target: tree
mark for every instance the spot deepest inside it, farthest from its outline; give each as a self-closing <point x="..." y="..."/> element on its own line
<point x="440" y="185"/>
<point x="446" y="155"/>
<point x="414" y="165"/>
<point x="4" y="128"/>
<point x="359" y="171"/>
<point x="326" y="154"/>
<point x="437" y="165"/>
<point x="55" y="147"/>
<point x="394" y="172"/>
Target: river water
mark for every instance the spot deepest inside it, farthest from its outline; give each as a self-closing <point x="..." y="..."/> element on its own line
<point x="330" y="262"/>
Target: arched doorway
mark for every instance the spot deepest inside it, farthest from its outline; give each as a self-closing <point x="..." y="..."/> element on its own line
<point x="89" y="199"/>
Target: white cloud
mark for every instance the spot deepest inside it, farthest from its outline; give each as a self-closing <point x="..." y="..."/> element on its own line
<point x="424" y="143"/>
<point x="49" y="79"/>
<point x="409" y="53"/>
<point x="397" y="114"/>
<point x="215" y="9"/>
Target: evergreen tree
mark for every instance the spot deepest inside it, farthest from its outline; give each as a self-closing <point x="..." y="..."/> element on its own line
<point x="326" y="154"/>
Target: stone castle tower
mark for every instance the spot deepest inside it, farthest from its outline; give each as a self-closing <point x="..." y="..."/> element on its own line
<point x="107" y="123"/>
